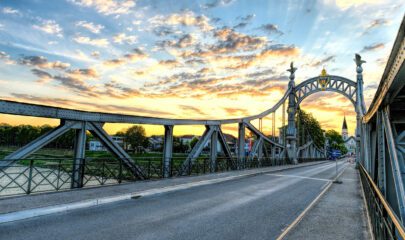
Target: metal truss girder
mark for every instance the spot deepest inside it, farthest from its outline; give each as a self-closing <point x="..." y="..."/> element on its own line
<point x="381" y="176"/>
<point x="241" y="144"/>
<point x="214" y="150"/>
<point x="395" y="165"/>
<point x="224" y="145"/>
<point x="115" y="149"/>
<point x="336" y="84"/>
<point x="197" y="149"/>
<point x="167" y="150"/>
<point x="260" y="134"/>
<point x="255" y="149"/>
<point x="36" y="110"/>
<point x="40" y="142"/>
<point x="79" y="155"/>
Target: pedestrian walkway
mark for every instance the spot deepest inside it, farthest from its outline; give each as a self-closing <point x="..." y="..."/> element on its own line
<point x="339" y="214"/>
<point x="22" y="207"/>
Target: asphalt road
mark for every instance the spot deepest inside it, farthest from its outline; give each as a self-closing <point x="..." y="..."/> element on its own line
<point x="257" y="207"/>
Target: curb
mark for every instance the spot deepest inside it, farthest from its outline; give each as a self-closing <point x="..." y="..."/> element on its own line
<point x="36" y="212"/>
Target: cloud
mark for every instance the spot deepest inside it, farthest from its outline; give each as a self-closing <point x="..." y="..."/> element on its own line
<point x="191" y="109"/>
<point x="114" y="62"/>
<point x="49" y="27"/>
<point x="218" y="3"/>
<point x="187" y="18"/>
<point x="6" y="58"/>
<point x="9" y="10"/>
<point x="97" y="42"/>
<point x="95" y="54"/>
<point x="376" y="23"/>
<point x="323" y="61"/>
<point x="77" y="85"/>
<point x="89" y="106"/>
<point x="115" y="90"/>
<point x="107" y="7"/>
<point x="42" y="75"/>
<point x="94" y="28"/>
<point x="271" y="29"/>
<point x="123" y="38"/>
<point x="231" y="41"/>
<point x="134" y="56"/>
<point x="373" y="47"/>
<point x="84" y="72"/>
<point x="236" y="111"/>
<point x="42" y="62"/>
<point x="162" y="31"/>
<point x="184" y="41"/>
<point x="244" y="21"/>
<point x="345" y="4"/>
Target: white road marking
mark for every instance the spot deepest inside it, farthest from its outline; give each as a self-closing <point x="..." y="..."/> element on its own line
<point x="296" y="176"/>
<point x="301" y="216"/>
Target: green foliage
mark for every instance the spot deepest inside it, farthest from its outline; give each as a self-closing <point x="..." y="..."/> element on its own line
<point x="179" y="146"/>
<point x="336" y="141"/>
<point x="136" y="136"/>
<point x="193" y="142"/>
<point x="23" y="134"/>
<point x="308" y="126"/>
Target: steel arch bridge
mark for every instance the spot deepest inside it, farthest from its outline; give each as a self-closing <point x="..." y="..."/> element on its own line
<point x="380" y="137"/>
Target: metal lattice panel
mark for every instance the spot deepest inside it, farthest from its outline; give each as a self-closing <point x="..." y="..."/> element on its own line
<point x="335" y="84"/>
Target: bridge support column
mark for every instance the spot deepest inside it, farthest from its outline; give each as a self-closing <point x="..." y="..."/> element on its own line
<point x="79" y="154"/>
<point x="360" y="111"/>
<point x="291" y="129"/>
<point x="167" y="151"/>
<point x="241" y="146"/>
<point x="214" y="150"/>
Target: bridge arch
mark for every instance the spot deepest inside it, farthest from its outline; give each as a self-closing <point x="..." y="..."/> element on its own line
<point x="344" y="86"/>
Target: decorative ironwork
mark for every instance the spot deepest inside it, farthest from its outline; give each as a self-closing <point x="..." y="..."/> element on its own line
<point x="323" y="79"/>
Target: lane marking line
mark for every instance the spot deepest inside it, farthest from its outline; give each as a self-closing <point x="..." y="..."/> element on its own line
<point x="306" y="210"/>
<point x="297" y="176"/>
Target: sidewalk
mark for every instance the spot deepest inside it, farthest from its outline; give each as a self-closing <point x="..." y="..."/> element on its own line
<point x="339" y="214"/>
<point x="22" y="207"/>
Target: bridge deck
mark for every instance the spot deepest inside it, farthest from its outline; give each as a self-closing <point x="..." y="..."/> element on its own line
<point x="35" y="201"/>
<point x="256" y="207"/>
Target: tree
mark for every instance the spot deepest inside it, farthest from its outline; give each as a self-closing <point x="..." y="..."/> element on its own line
<point x="178" y="145"/>
<point x="307" y="126"/>
<point x="136" y="136"/>
<point x="336" y="141"/>
<point x="193" y="142"/>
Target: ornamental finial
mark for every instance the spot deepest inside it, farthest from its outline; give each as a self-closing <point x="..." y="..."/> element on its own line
<point x="292" y="68"/>
<point x="359" y="62"/>
<point x="292" y="72"/>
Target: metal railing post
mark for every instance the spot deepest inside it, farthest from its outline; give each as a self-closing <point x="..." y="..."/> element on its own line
<point x="30" y="176"/>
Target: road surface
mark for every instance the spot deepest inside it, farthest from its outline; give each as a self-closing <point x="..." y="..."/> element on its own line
<point x="257" y="207"/>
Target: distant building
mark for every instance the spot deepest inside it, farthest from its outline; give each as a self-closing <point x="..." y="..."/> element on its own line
<point x="349" y="141"/>
<point x="156" y="143"/>
<point x="186" y="139"/>
<point x="96" y="145"/>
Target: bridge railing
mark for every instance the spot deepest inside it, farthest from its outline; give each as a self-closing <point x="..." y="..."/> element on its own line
<point x="26" y="176"/>
<point x="385" y="223"/>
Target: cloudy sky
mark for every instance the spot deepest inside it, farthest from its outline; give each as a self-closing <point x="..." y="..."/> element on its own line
<point x="188" y="59"/>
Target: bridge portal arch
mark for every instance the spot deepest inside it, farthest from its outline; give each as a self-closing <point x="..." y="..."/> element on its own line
<point x="352" y="90"/>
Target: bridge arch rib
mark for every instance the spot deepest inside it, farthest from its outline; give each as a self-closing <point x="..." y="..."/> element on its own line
<point x="337" y="84"/>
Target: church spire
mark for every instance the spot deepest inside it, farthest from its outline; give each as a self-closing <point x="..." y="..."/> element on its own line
<point x="344" y="123"/>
